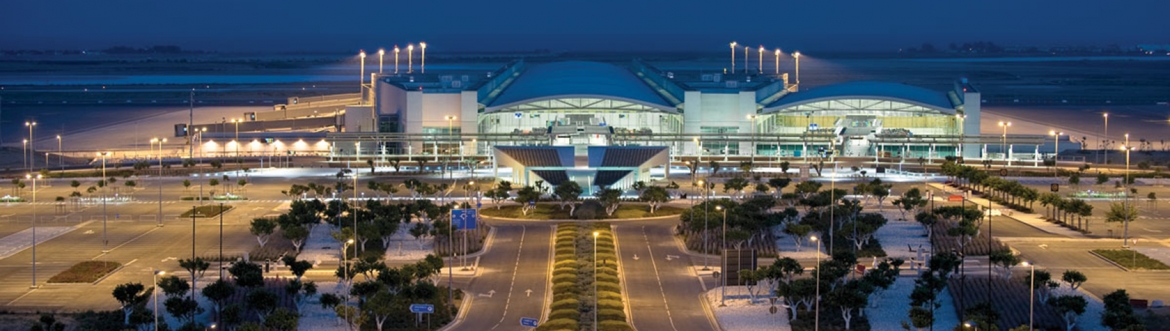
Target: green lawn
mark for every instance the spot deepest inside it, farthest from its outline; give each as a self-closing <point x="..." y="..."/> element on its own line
<point x="207" y="211"/>
<point x="85" y="272"/>
<point x="1131" y="259"/>
<point x="550" y="211"/>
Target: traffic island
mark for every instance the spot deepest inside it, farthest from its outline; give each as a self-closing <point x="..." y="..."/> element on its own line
<point x="579" y="293"/>
<point x="1129" y="259"/>
<point x="85" y="272"/>
<point x="206" y="211"/>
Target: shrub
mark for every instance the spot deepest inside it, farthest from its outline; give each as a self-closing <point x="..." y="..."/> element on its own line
<point x="564" y="287"/>
<point x="564" y="279"/>
<point x="607" y="278"/>
<point x="559" y="324"/>
<point x="614" y="326"/>
<point x="609" y="304"/>
<point x="611" y="315"/>
<point x="608" y="295"/>
<point x="565" y="304"/>
<point x="610" y="287"/>
<point x="572" y="314"/>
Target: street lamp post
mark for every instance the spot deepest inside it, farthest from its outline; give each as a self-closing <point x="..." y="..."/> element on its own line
<point x="595" y="234"/>
<point x="34" y="227"/>
<point x="1056" y="153"/>
<point x="450" y="133"/>
<point x="423" y="66"/>
<point x="160" y="174"/>
<point x="1106" y="138"/>
<point x="745" y="60"/>
<point x="362" y="74"/>
<point x="760" y="66"/>
<point x="24" y="153"/>
<point x="105" y="216"/>
<point x="706" y="216"/>
<point x="1031" y="294"/>
<point x="777" y="57"/>
<point x="796" y="56"/>
<point x="409" y="58"/>
<point x="733" y="57"/>
<point x="154" y="294"/>
<point x="1125" y="236"/>
<point x="60" y="157"/>
<point x="237" y="141"/>
<point x="752" y="117"/>
<point x="345" y="257"/>
<point x="723" y="269"/>
<point x="396" y="50"/>
<point x="817" y="314"/>
<point x="381" y="54"/>
<point x="1003" y="139"/>
<point x="32" y="145"/>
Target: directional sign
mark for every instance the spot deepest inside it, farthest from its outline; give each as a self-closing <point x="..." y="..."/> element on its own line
<point x="518" y="115"/>
<point x="528" y="322"/>
<point x="422" y="308"/>
<point x="464" y="219"/>
<point x="478" y="204"/>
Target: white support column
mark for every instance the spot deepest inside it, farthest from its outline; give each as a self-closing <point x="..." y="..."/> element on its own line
<point x="985" y="156"/>
<point x="1009" y="155"/>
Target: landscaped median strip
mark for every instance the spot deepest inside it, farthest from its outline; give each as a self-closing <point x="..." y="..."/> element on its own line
<point x="1129" y="259"/>
<point x="573" y="277"/>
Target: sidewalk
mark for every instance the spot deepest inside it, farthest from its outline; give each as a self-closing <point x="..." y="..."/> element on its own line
<point x="1033" y="220"/>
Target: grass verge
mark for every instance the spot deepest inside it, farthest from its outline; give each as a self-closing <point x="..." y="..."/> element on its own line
<point x="1131" y="259"/>
<point x="554" y="212"/>
<point x="85" y="272"/>
<point x="207" y="211"/>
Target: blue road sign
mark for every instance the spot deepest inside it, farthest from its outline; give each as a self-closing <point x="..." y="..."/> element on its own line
<point x="528" y="322"/>
<point x="464" y="219"/>
<point x="518" y="115"/>
<point x="479" y="204"/>
<point x="422" y="308"/>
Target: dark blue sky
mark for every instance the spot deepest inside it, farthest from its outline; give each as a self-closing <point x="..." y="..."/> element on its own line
<point x="603" y="25"/>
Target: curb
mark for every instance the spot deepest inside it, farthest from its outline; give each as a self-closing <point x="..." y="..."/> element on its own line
<point x="548" y="295"/>
<point x="621" y="277"/>
<point x="1109" y="261"/>
<point x="463" y="308"/>
<point x="710" y="313"/>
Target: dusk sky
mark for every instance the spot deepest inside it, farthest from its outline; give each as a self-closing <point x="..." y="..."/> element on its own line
<point x="602" y="25"/>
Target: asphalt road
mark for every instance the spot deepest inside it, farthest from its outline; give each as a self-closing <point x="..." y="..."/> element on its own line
<point x="514" y="278"/>
<point x="663" y="293"/>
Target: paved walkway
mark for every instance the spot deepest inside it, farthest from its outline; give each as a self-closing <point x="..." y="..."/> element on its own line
<point x="1033" y="220"/>
<point x="17" y="242"/>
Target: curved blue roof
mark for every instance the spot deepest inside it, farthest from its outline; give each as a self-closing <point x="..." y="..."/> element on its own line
<point x="866" y="90"/>
<point x="578" y="79"/>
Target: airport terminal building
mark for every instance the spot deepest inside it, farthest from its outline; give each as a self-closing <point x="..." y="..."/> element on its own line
<point x="581" y="104"/>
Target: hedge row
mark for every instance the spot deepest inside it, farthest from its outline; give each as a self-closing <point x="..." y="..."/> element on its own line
<point x="566" y="306"/>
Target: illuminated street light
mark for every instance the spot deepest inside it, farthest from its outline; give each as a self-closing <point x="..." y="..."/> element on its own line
<point x="155" y="295"/>
<point x="796" y="56"/>
<point x="34" y="227"/>
<point x="1031" y="294"/>
<point x="1003" y="144"/>
<point x="745" y="59"/>
<point x="396" y="50"/>
<point x="423" y="65"/>
<point x="760" y="67"/>
<point x="1056" y="154"/>
<point x="409" y="58"/>
<point x="362" y="75"/>
<point x="777" y="61"/>
<point x="723" y="250"/>
<point x="381" y="53"/>
<point x="1106" y="149"/>
<point x="817" y="311"/>
<point x="733" y="56"/>
<point x="32" y="146"/>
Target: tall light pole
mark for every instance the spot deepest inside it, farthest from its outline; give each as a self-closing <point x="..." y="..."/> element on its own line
<point x="345" y="257"/>
<point x="191" y="126"/>
<point x="381" y="54"/>
<point x="32" y="145"/>
<point x="396" y="50"/>
<point x="797" y="56"/>
<point x="706" y="206"/>
<point x="723" y="269"/>
<point x="24" y="153"/>
<point x="1125" y="237"/>
<point x="733" y="57"/>
<point x="450" y="133"/>
<point x="160" y="181"/>
<point x="760" y="67"/>
<point x="409" y="58"/>
<point x="1106" y="149"/>
<point x="777" y="57"/>
<point x="237" y="141"/>
<point x="595" y="234"/>
<point x="1031" y="294"/>
<point x="1056" y="153"/>
<point x="745" y="60"/>
<point x="1003" y="142"/>
<point x="34" y="228"/>
<point x="362" y="74"/>
<point x="154" y="294"/>
<point x="817" y="314"/>
<point x="105" y="216"/>
<point x="60" y="157"/>
<point x="423" y="66"/>
<point x="752" y="152"/>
